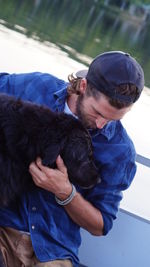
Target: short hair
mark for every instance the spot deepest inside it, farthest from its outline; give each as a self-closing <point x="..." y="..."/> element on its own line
<point x="123" y="89"/>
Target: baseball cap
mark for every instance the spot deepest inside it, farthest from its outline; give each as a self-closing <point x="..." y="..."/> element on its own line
<point x="111" y="69"/>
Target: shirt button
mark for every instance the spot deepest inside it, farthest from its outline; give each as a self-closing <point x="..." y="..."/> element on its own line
<point x="33" y="227"/>
<point x="34" y="208"/>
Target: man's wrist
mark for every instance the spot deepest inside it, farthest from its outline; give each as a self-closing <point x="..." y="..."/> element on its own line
<point x="64" y="192"/>
<point x="66" y="201"/>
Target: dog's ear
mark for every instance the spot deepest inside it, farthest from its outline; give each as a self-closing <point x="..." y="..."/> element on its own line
<point x="50" y="154"/>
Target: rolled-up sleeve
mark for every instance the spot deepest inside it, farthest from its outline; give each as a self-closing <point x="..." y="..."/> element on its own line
<point x="116" y="161"/>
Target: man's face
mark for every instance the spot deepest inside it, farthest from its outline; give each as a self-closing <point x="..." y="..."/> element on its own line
<point x="97" y="112"/>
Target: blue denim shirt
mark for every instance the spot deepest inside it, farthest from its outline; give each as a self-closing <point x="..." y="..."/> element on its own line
<point x="54" y="235"/>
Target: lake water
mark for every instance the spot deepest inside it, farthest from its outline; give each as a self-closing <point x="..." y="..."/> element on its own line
<point x="84" y="28"/>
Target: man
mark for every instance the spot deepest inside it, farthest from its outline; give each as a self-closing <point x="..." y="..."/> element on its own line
<point x="42" y="229"/>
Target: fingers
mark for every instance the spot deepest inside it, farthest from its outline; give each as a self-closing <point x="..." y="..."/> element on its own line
<point x="33" y="169"/>
<point x="40" y="173"/>
<point x="37" y="174"/>
<point x="53" y="180"/>
<point x="43" y="168"/>
<point x="60" y="165"/>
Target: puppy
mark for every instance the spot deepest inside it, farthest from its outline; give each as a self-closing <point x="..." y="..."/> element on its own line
<point x="28" y="131"/>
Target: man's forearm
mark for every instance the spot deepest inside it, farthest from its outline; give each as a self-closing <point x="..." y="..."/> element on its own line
<point x="56" y="181"/>
<point x="85" y="215"/>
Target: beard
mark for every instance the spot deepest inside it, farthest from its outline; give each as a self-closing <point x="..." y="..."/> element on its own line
<point x="83" y="117"/>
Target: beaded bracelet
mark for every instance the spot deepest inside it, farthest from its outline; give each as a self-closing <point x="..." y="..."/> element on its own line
<point x="68" y="199"/>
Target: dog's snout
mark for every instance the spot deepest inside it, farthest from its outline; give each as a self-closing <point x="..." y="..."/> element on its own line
<point x="88" y="174"/>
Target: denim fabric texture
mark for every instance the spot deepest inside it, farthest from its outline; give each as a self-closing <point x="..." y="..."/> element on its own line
<point x="54" y="235"/>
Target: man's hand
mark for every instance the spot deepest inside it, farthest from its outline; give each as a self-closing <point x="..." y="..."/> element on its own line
<point x="56" y="181"/>
<point x="53" y="180"/>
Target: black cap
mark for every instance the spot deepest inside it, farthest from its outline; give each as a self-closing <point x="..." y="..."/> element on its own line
<point x="111" y="69"/>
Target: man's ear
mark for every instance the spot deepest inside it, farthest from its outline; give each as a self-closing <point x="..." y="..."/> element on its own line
<point x="83" y="86"/>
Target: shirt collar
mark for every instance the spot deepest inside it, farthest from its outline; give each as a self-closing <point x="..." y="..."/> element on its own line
<point x="108" y="131"/>
<point x="67" y="110"/>
<point x="60" y="97"/>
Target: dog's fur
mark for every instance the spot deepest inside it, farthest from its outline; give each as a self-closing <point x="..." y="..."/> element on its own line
<point x="2" y="264"/>
<point x="1" y="261"/>
<point x="29" y="130"/>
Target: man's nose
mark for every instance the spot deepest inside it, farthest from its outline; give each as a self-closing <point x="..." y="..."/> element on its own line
<point x="101" y="122"/>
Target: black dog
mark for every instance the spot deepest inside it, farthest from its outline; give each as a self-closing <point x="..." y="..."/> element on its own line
<point x="27" y="131"/>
